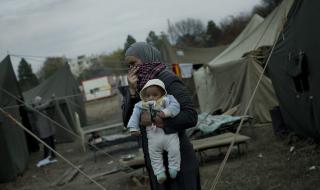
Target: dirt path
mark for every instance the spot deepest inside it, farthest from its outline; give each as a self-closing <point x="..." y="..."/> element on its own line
<point x="267" y="164"/>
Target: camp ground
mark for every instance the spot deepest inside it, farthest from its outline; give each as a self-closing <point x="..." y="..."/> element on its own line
<point x="258" y="114"/>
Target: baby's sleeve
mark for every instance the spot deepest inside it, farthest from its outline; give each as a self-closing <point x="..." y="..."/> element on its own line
<point x="172" y="106"/>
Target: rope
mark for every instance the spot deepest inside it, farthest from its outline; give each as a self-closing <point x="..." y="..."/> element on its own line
<point x="247" y="108"/>
<point x="57" y="98"/>
<point x="215" y="182"/>
<point x="71" y="132"/>
<point x="45" y="144"/>
<point x="41" y="59"/>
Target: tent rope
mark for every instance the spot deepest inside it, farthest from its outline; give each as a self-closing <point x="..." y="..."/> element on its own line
<point x="45" y="144"/>
<point x="71" y="132"/>
<point x="216" y="180"/>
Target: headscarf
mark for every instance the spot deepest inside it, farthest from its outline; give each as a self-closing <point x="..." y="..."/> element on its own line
<point x="151" y="59"/>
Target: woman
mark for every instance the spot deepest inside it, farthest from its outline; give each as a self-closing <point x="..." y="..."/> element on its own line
<point x="144" y="63"/>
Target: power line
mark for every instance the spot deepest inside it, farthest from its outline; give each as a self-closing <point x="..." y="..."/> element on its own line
<point x="32" y="56"/>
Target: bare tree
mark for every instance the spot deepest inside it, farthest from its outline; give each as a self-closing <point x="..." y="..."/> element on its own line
<point x="188" y="32"/>
<point x="232" y="26"/>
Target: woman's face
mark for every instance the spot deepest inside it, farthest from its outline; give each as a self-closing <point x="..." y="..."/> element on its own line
<point x="132" y="62"/>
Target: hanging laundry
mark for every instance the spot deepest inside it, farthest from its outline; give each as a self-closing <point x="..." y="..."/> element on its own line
<point x="176" y="69"/>
<point x="186" y="70"/>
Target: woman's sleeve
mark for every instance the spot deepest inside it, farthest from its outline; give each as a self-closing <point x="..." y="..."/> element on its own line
<point x="187" y="116"/>
<point x="127" y="106"/>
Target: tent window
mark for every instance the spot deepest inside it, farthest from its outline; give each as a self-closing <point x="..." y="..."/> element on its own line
<point x="298" y="71"/>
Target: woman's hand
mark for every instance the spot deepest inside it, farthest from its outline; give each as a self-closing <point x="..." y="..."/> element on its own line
<point x="158" y="122"/>
<point x="145" y="120"/>
<point x="132" y="80"/>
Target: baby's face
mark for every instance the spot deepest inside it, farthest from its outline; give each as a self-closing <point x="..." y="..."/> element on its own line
<point x="153" y="93"/>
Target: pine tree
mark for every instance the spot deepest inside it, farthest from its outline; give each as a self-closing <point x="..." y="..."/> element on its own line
<point x="27" y="78"/>
<point x="51" y="65"/>
<point x="213" y="34"/>
<point x="130" y="40"/>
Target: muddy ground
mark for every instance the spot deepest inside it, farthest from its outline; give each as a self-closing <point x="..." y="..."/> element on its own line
<point x="267" y="164"/>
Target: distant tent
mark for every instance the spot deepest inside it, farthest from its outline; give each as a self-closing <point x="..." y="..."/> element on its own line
<point x="230" y="78"/>
<point x="194" y="55"/>
<point x="13" y="145"/>
<point x="295" y="69"/>
<point x="66" y="90"/>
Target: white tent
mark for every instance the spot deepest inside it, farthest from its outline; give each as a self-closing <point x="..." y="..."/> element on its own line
<point x="229" y="79"/>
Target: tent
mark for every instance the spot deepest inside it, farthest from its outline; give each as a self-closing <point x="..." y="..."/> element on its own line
<point x="174" y="56"/>
<point x="229" y="79"/>
<point x="194" y="55"/>
<point x="66" y="91"/>
<point x="294" y="69"/>
<point x="13" y="145"/>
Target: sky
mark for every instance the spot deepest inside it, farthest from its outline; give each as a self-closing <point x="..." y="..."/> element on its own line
<point x="43" y="28"/>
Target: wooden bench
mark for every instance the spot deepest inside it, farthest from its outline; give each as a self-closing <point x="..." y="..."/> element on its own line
<point x="199" y="146"/>
<point x="218" y="141"/>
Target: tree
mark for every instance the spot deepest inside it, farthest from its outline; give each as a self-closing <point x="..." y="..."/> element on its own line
<point x="51" y="65"/>
<point x="130" y="40"/>
<point x="232" y="26"/>
<point x="157" y="41"/>
<point x="27" y="79"/>
<point x="154" y="40"/>
<point x="213" y="34"/>
<point x="116" y="55"/>
<point x="113" y="62"/>
<point x="189" y="32"/>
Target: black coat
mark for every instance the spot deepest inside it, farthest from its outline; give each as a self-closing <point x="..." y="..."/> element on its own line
<point x="188" y="178"/>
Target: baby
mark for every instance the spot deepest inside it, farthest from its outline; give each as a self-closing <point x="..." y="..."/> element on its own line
<point x="156" y="101"/>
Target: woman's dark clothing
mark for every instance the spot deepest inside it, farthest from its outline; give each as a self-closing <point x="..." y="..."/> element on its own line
<point x="188" y="178"/>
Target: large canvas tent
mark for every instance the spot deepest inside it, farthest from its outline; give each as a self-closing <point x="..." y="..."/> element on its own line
<point x="66" y="91"/>
<point x="13" y="145"/>
<point x="294" y="69"/>
<point x="174" y="56"/>
<point x="229" y="79"/>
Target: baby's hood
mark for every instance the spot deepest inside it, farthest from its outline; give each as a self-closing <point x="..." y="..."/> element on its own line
<point x="152" y="82"/>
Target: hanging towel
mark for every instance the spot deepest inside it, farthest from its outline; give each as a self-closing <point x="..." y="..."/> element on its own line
<point x="186" y="70"/>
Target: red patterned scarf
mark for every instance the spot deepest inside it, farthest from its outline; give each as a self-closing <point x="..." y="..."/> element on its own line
<point x="148" y="71"/>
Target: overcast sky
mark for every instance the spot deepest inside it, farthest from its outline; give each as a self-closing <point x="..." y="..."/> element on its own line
<point x="75" y="27"/>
